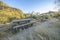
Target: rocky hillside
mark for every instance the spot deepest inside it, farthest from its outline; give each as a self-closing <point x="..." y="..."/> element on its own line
<point x="8" y="13"/>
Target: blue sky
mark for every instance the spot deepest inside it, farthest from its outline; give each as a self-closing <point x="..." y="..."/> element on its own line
<point x="32" y="5"/>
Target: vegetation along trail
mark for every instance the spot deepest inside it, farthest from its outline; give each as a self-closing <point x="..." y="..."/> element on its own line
<point x="48" y="30"/>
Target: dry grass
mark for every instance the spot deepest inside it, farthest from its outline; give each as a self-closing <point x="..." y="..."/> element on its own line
<point x="49" y="30"/>
<point x="46" y="31"/>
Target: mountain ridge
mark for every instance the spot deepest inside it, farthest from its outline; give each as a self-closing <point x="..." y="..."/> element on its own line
<point x="8" y="13"/>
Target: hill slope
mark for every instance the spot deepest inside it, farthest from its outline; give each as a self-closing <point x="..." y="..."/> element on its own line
<point x="8" y="13"/>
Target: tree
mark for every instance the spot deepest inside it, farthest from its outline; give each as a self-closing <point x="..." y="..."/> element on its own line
<point x="57" y="2"/>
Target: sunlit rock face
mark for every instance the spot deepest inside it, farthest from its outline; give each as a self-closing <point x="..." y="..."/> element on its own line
<point x="49" y="30"/>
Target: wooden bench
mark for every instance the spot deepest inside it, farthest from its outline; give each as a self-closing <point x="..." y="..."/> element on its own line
<point x="22" y="27"/>
<point x="21" y="21"/>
